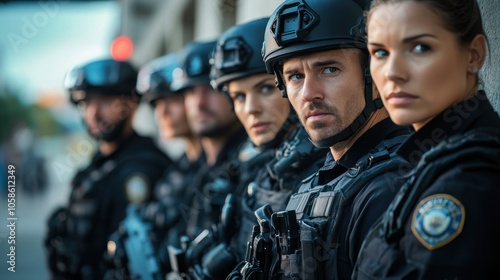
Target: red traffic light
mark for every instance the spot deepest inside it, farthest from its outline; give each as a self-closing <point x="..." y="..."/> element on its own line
<point x="122" y="48"/>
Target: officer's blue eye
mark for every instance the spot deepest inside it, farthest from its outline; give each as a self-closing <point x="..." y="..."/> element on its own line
<point x="378" y="53"/>
<point x="421" y="48"/>
<point x="330" y="70"/>
<point x="238" y="97"/>
<point x="267" y="88"/>
<point x="295" y="77"/>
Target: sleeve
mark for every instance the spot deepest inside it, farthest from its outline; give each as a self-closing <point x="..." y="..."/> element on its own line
<point x="453" y="230"/>
<point x="367" y="207"/>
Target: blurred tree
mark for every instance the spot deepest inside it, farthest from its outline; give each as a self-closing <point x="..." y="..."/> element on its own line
<point x="15" y="115"/>
<point x="41" y="121"/>
<point x="12" y="114"/>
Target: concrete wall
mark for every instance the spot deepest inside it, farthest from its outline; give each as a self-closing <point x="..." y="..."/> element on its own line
<point x="208" y="18"/>
<point x="490" y="73"/>
<point x="254" y="9"/>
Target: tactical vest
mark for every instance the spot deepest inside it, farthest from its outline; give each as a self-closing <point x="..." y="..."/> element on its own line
<point x="294" y="160"/>
<point x="69" y="227"/>
<point x="461" y="149"/>
<point x="320" y="210"/>
<point x="200" y="258"/>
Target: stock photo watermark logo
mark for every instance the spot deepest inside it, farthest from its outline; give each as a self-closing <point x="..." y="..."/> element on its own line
<point x="30" y="26"/>
<point x="74" y="155"/>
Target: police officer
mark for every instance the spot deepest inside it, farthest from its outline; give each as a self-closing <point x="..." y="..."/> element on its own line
<point x="443" y="223"/>
<point x="161" y="215"/>
<point x="122" y="170"/>
<point x="286" y="155"/>
<point x="317" y="51"/>
<point x="153" y="83"/>
<point x="210" y="116"/>
<point x="170" y="112"/>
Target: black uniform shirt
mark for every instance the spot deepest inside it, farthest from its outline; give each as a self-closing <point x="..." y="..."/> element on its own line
<point x="197" y="208"/>
<point x="102" y="191"/>
<point x="370" y="202"/>
<point x="169" y="190"/>
<point x="452" y="232"/>
<point x="385" y="129"/>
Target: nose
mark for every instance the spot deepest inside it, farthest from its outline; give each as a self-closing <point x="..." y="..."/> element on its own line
<point x="91" y="108"/>
<point x="395" y="68"/>
<point x="161" y="109"/>
<point x="252" y="104"/>
<point x="311" y="89"/>
<point x="199" y="96"/>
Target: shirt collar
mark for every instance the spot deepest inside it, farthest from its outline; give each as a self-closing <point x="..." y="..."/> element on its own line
<point x="455" y="120"/>
<point x="385" y="129"/>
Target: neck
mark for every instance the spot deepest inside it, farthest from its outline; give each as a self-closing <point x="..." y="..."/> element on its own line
<point x="193" y="148"/>
<point x="339" y="149"/>
<point x="212" y="146"/>
<point x="107" y="148"/>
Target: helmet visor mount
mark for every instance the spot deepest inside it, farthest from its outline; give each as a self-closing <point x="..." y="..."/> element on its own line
<point x="232" y="55"/>
<point x="151" y="81"/>
<point x="293" y="22"/>
<point x="194" y="66"/>
<point x="94" y="75"/>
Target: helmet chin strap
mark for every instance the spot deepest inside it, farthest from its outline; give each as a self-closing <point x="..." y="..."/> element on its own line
<point x="370" y="107"/>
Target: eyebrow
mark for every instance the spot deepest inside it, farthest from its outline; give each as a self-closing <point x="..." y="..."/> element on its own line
<point x="256" y="85"/>
<point x="263" y="82"/>
<point x="316" y="64"/>
<point x="407" y="39"/>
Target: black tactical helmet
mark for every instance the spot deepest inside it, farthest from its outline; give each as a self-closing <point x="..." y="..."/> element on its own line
<point x="194" y="66"/>
<point x="154" y="79"/>
<point x="238" y="53"/>
<point x="303" y="26"/>
<point x="103" y="77"/>
<point x="299" y="27"/>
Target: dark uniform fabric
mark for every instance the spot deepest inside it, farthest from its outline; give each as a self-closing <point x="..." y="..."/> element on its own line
<point x="100" y="193"/>
<point x="213" y="258"/>
<point x="206" y="195"/>
<point x="170" y="189"/>
<point x="443" y="223"/>
<point x="267" y="178"/>
<point x="338" y="207"/>
<point x="161" y="222"/>
<point x="295" y="159"/>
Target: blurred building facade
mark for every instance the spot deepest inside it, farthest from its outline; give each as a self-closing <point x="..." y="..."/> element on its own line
<point x="158" y="27"/>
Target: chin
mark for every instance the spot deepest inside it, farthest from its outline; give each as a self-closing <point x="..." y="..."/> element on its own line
<point x="168" y="136"/>
<point x="261" y="140"/>
<point x="402" y="121"/>
<point x="257" y="141"/>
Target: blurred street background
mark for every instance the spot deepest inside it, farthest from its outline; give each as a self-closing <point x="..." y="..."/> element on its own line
<point x="41" y="134"/>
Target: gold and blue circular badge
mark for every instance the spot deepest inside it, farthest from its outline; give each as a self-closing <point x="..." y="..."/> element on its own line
<point x="137" y="188"/>
<point x="437" y="220"/>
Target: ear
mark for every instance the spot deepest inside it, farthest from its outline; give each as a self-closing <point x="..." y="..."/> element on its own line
<point x="477" y="54"/>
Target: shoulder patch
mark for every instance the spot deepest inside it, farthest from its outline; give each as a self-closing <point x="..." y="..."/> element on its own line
<point x="437" y="220"/>
<point x="137" y="188"/>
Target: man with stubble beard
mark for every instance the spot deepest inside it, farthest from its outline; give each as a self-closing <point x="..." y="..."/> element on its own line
<point x="122" y="170"/>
